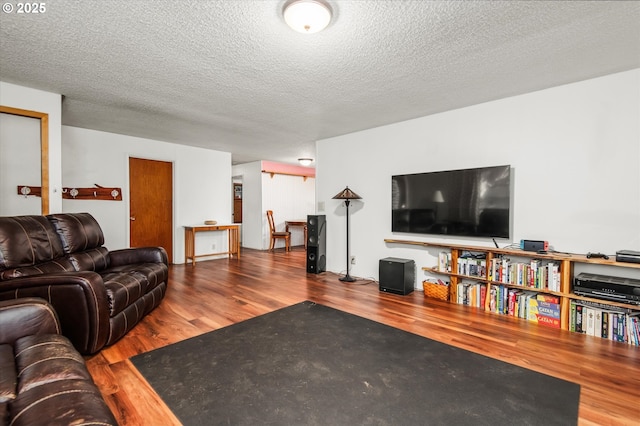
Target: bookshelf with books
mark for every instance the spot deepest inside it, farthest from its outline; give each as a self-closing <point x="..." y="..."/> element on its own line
<point x="532" y="286"/>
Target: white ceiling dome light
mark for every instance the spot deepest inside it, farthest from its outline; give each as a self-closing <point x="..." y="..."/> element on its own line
<point x="307" y="16"/>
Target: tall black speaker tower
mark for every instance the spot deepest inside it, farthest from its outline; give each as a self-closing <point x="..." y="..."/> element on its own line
<point x="316" y="244"/>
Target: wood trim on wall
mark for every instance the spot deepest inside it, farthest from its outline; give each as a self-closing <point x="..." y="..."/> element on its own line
<point x="44" y="148"/>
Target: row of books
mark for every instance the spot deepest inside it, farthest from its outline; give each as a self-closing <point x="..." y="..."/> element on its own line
<point x="538" y="274"/>
<point x="606" y="321"/>
<point x="444" y="261"/>
<point x="469" y="265"/>
<point x="471" y="294"/>
<point x="592" y="318"/>
<point x="540" y="308"/>
<point x="472" y="267"/>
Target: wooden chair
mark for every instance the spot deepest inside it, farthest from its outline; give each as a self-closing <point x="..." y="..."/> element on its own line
<point x="286" y="235"/>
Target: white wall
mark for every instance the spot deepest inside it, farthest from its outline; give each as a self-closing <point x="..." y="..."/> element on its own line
<point x="574" y="151"/>
<point x="201" y="179"/>
<point x="21" y="97"/>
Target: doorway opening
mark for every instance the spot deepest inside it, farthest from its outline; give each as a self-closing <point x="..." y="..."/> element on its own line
<point x="237" y="200"/>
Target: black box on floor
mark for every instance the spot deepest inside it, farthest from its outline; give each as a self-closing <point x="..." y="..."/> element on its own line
<point x="397" y="275"/>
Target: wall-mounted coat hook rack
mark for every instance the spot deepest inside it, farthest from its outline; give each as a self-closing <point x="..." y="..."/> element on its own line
<point x="96" y="193"/>
<point x="27" y="190"/>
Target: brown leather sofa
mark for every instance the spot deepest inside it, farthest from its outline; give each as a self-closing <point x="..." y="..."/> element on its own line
<point x="99" y="295"/>
<point x="44" y="379"/>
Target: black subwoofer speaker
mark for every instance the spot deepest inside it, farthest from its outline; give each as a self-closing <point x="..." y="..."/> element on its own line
<point x="316" y="244"/>
<point x="397" y="275"/>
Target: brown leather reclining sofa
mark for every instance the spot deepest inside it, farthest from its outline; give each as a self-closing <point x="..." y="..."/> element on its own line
<point x="98" y="295"/>
<point x="43" y="378"/>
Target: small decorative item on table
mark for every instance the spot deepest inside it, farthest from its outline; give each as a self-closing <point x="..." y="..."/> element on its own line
<point x="210" y="222"/>
<point x="436" y="290"/>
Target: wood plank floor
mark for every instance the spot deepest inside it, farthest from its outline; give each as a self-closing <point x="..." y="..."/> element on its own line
<point x="218" y="293"/>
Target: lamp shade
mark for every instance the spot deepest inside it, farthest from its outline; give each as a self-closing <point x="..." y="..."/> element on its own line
<point x="307" y="16"/>
<point x="438" y="197"/>
<point x="347" y="194"/>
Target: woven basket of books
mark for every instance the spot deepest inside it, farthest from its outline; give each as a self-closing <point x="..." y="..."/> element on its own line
<point x="436" y="290"/>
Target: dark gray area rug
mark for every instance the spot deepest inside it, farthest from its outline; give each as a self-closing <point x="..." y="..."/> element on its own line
<point x="309" y="364"/>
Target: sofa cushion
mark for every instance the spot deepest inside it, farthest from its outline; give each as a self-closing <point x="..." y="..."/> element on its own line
<point x="66" y="402"/>
<point x="4" y="413"/>
<point x="46" y="358"/>
<point x="155" y="273"/>
<point x="123" y="289"/>
<point x="43" y="378"/>
<point x="94" y="260"/>
<point x="53" y="381"/>
<point x="77" y="231"/>
<point x="127" y="283"/>
<point x="27" y="241"/>
<point x="8" y="378"/>
<point x="62" y="264"/>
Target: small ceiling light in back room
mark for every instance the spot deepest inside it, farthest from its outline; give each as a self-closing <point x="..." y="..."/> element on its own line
<point x="307" y="16"/>
<point x="305" y="161"/>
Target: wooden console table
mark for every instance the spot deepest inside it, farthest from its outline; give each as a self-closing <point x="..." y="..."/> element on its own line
<point x="233" y="232"/>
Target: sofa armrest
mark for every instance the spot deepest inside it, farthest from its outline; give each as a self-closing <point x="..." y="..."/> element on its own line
<point x="25" y="317"/>
<point x="135" y="255"/>
<point x="79" y="299"/>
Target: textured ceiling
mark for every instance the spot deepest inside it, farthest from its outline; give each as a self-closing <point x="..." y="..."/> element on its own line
<point x="231" y="76"/>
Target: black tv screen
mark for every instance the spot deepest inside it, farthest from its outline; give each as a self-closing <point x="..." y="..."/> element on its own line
<point x="468" y="203"/>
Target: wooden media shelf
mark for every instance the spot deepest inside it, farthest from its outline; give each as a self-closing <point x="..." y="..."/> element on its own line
<point x="554" y="282"/>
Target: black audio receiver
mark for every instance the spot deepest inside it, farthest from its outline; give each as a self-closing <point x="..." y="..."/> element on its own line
<point x="624" y="290"/>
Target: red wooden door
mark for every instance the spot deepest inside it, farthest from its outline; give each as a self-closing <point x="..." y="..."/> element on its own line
<point x="151" y="204"/>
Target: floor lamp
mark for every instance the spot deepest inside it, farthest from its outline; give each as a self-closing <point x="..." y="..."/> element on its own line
<point x="347" y="195"/>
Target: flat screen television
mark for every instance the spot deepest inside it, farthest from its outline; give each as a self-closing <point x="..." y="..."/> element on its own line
<point x="466" y="203"/>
